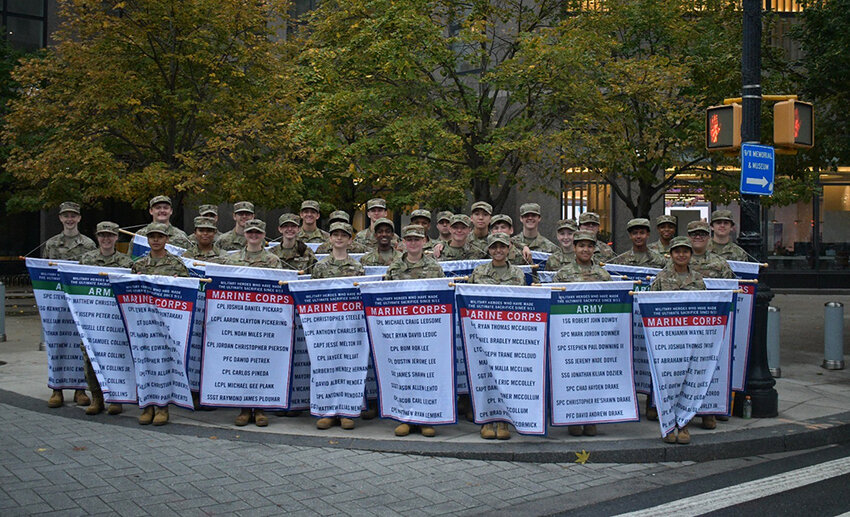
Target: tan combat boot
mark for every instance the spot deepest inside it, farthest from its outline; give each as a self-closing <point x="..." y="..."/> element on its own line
<point x="402" y="430"/>
<point x="709" y="422"/>
<point x="115" y="409"/>
<point x="428" y="432"/>
<point x="96" y="406"/>
<point x="575" y="430"/>
<point x="56" y="400"/>
<point x="684" y="437"/>
<point x="147" y="416"/>
<point x="243" y="418"/>
<point x="503" y="432"/>
<point x="326" y="422"/>
<point x="590" y="430"/>
<point x="81" y="398"/>
<point x="488" y="431"/>
<point x="260" y="418"/>
<point x="160" y="416"/>
<point x="346" y="423"/>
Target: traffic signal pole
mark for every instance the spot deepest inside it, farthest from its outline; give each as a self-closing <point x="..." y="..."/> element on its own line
<point x="760" y="384"/>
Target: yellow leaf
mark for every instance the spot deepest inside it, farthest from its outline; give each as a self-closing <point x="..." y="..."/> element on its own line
<point x="582" y="457"/>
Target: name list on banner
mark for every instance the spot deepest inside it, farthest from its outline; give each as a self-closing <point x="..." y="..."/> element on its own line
<point x="98" y="319"/>
<point x="196" y="346"/>
<point x="158" y="313"/>
<point x="684" y="333"/>
<point x="65" y="366"/>
<point x="249" y="337"/>
<point x="643" y="376"/>
<point x="744" y="314"/>
<point x="299" y="388"/>
<point x="457" y="268"/>
<point x="504" y="331"/>
<point x="590" y="343"/>
<point x="331" y="312"/>
<point x="411" y="333"/>
<point x="717" y="400"/>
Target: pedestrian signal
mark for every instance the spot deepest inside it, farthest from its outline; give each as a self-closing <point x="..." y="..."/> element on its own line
<point x="723" y="128"/>
<point x="793" y="124"/>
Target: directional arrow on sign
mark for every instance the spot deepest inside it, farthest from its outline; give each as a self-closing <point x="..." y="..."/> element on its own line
<point x="761" y="182"/>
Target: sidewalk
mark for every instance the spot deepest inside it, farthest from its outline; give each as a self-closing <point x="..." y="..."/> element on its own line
<point x="814" y="410"/>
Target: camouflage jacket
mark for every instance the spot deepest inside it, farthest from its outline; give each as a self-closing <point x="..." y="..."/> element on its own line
<point x="480" y="244"/>
<point x="669" y="280"/>
<point x="367" y="238"/>
<point x="603" y="252"/>
<point x="230" y="241"/>
<point x="353" y="247"/>
<point x="169" y="265"/>
<point x="711" y="265"/>
<point x="539" y="243"/>
<point x="193" y="240"/>
<point x="291" y="259"/>
<point x="488" y="274"/>
<point x="60" y="247"/>
<point x="467" y="252"/>
<point x="215" y="255"/>
<point x="329" y="267"/>
<point x="176" y="236"/>
<point x="262" y="258"/>
<point x="317" y="235"/>
<point x="427" y="267"/>
<point x="374" y="258"/>
<point x="633" y="258"/>
<point x="659" y="247"/>
<point x="729" y="251"/>
<point x="575" y="272"/>
<point x="559" y="259"/>
<point x="117" y="259"/>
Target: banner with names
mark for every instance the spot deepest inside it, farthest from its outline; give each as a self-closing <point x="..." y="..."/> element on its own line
<point x="196" y="346"/>
<point x="98" y="318"/>
<point x="456" y="268"/>
<point x="505" y="331"/>
<point x="139" y="247"/>
<point x="411" y="335"/>
<point x="590" y="345"/>
<point x="65" y="365"/>
<point x="299" y="386"/>
<point x="685" y="331"/>
<point x="248" y="339"/>
<point x="334" y="322"/>
<point x="744" y="315"/>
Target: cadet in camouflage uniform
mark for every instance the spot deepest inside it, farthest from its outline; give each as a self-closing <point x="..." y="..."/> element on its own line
<point x="529" y="214"/>
<point x="707" y="263"/>
<point x="677" y="275"/>
<point x="501" y="223"/>
<point x="666" y="226"/>
<point x="589" y="222"/>
<point x="721" y="242"/>
<point x="204" y="248"/>
<point x="498" y="271"/>
<point x="293" y="253"/>
<point x="211" y="212"/>
<point x="640" y="254"/>
<point x="459" y="248"/>
<point x="354" y="247"/>
<point x="158" y="262"/>
<point x="243" y="211"/>
<point x="104" y="256"/>
<point x="482" y="213"/>
<point x="309" y="232"/>
<point x="444" y="226"/>
<point x="414" y="264"/>
<point x="423" y="219"/>
<point x="384" y="254"/>
<point x="68" y="245"/>
<point x="582" y="269"/>
<point x="160" y="209"/>
<point x="566" y="251"/>
<point x="376" y="208"/>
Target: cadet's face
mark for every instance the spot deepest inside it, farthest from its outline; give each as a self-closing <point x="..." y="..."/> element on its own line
<point x="498" y="252"/>
<point x="384" y="235"/>
<point x="204" y="236"/>
<point x="722" y="228"/>
<point x="376" y="213"/>
<point x="501" y="228"/>
<point x="590" y="227"/>
<point x="480" y="218"/>
<point x="699" y="240"/>
<point x="530" y="221"/>
<point x="254" y="237"/>
<point x="565" y="237"/>
<point x="584" y="251"/>
<point x="667" y="231"/>
<point x="460" y="232"/>
<point x="70" y="220"/>
<point x="289" y="230"/>
<point x="414" y="245"/>
<point x="424" y="222"/>
<point x="106" y="240"/>
<point x="242" y="217"/>
<point x="157" y="241"/>
<point x="639" y="236"/>
<point x="161" y="212"/>
<point x="681" y="255"/>
<point x="340" y="239"/>
<point x="309" y="216"/>
<point x="443" y="227"/>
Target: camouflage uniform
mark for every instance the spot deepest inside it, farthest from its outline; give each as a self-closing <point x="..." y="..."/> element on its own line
<point x="230" y="241"/>
<point x="117" y="259"/>
<point x="711" y="265"/>
<point x="476" y="242"/>
<point x="467" y="252"/>
<point x="575" y="272"/>
<point x="375" y="258"/>
<point x="215" y="255"/>
<point x="539" y="243"/>
<point x="291" y="258"/>
<point x="729" y="251"/>
<point x="169" y="265"/>
<point x="194" y="241"/>
<point x="60" y="247"/>
<point x="176" y="236"/>
<point x="603" y="252"/>
<point x="203" y="211"/>
<point x="427" y="267"/>
<point x="669" y="280"/>
<point x="329" y="267"/>
<point x="659" y="247"/>
<point x="353" y="247"/>
<point x="317" y="235"/>
<point x="262" y="258"/>
<point x="559" y="259"/>
<point x="645" y="259"/>
<point x="489" y="274"/>
<point x="367" y="238"/>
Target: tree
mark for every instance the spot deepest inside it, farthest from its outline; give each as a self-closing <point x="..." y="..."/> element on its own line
<point x="144" y="97"/>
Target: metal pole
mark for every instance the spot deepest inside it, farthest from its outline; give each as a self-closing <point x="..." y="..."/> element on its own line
<point x="759" y="381"/>
<point x="773" y="341"/>
<point x="833" y="336"/>
<point x="3" y="312"/>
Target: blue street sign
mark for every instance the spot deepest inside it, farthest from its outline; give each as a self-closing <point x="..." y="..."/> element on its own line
<point x="757" y="168"/>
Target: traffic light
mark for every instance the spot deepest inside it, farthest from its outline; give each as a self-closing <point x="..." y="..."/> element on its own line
<point x="793" y="124"/>
<point x="723" y="128"/>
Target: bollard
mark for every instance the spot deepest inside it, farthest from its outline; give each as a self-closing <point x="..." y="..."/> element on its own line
<point x="2" y="312"/>
<point x="833" y="336"/>
<point x="773" y="342"/>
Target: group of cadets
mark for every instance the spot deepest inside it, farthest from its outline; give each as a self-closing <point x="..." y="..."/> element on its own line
<point x="576" y="256"/>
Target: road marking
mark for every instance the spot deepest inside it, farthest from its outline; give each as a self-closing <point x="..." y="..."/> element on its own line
<point x="749" y="491"/>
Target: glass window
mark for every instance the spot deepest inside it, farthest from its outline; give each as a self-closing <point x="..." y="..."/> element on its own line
<point x="30" y="7"/>
<point x="25" y="33"/>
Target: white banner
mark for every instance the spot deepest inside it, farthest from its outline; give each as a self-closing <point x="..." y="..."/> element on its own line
<point x="590" y="336"/>
<point x="95" y="311"/>
<point x="685" y="331"/>
<point x="744" y="314"/>
<point x="461" y="267"/>
<point x="504" y="331"/>
<point x="331" y="312"/>
<point x="196" y="346"/>
<point x="299" y="389"/>
<point x="65" y="366"/>
<point x="158" y="313"/>
<point x="248" y="339"/>
<point x="411" y="335"/>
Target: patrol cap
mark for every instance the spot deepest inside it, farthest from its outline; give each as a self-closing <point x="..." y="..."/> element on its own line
<point x="159" y="199"/>
<point x="106" y="227"/>
<point x="460" y="219"/>
<point x="493" y="238"/>
<point x="698" y="226"/>
<point x="69" y="206"/>
<point x="309" y="204"/>
<point x="289" y="218"/>
<point x="255" y="225"/>
<point x="413" y="230"/>
<point x="638" y="222"/>
<point x="384" y="220"/>
<point x="569" y="224"/>
<point x="205" y="222"/>
<point x="680" y="241"/>
<point x="661" y="219"/>
<point x="483" y="205"/>
<point x="339" y="215"/>
<point x="243" y="206"/>
<point x="208" y="209"/>
<point x="529" y="208"/>
<point x="421" y="213"/>
<point x="722" y="215"/>
<point x="502" y="218"/>
<point x="588" y="217"/>
<point x="584" y="236"/>
<point x="376" y="202"/>
<point x="158" y="228"/>
<point x="445" y="215"/>
<point x="345" y="227"/>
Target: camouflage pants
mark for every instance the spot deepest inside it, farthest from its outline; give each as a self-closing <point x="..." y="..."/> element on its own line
<point x="91" y="378"/>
